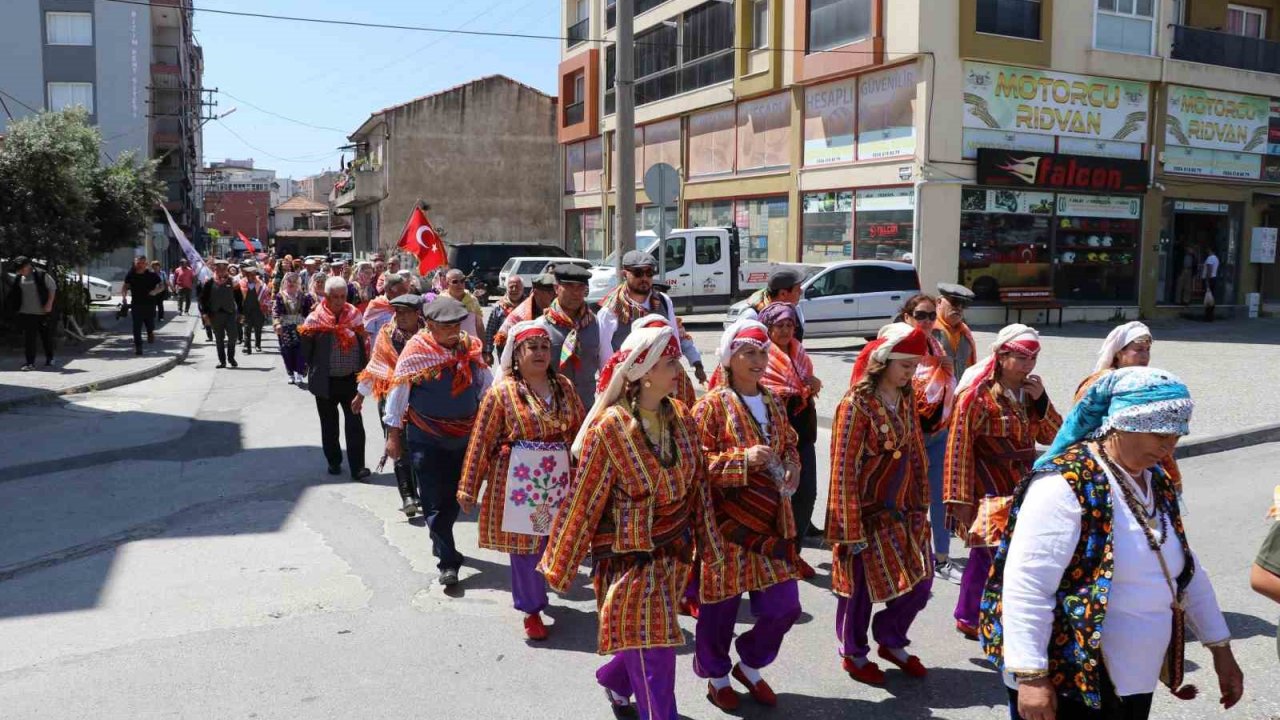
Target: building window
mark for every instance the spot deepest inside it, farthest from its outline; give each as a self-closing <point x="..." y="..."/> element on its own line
<point x="638" y="7"/>
<point x="712" y="142"/>
<point x="885" y="224"/>
<point x="1013" y="18"/>
<point x="585" y="235"/>
<point x="711" y="213"/>
<point x="63" y="95"/>
<point x="833" y="23"/>
<point x="759" y="24"/>
<point x="827" y="227"/>
<point x="764" y="133"/>
<point x="763" y="223"/>
<point x="575" y="104"/>
<point x="1247" y="21"/>
<point x="68" y="28"/>
<point x="694" y="52"/>
<point x="579" y="23"/>
<point x="1125" y="26"/>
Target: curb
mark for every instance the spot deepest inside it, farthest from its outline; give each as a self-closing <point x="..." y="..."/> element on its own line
<point x="107" y="383"/>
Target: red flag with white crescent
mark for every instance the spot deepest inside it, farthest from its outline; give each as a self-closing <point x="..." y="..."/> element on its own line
<point x="423" y="241"/>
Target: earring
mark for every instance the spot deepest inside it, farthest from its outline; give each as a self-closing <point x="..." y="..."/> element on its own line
<point x="648" y="383"/>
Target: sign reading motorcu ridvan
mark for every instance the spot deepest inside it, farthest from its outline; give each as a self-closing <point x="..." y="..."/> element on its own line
<point x="1061" y="172"/>
<point x="999" y="97"/>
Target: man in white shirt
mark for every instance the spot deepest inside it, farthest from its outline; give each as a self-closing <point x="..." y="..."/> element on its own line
<point x="1209" y="274"/>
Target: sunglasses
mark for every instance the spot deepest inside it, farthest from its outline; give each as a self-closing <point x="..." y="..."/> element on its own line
<point x="642" y="272"/>
<point x="455" y="282"/>
<point x="921" y="315"/>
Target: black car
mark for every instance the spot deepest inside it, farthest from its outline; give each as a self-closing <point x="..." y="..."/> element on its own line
<point x="483" y="261"/>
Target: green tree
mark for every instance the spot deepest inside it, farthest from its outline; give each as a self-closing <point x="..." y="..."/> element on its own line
<point x="125" y="195"/>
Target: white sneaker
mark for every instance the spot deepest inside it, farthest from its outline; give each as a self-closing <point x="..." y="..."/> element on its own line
<point x="26" y="368"/>
<point x="948" y="571"/>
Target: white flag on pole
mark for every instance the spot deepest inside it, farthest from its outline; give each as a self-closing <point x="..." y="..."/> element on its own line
<point x="193" y="258"/>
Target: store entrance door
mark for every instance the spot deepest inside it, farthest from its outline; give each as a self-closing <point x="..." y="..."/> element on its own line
<point x="1196" y="233"/>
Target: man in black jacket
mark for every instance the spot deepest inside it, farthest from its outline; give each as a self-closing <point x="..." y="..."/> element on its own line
<point x="32" y="293"/>
<point x="142" y="288"/>
<point x="332" y="370"/>
<point x="220" y="305"/>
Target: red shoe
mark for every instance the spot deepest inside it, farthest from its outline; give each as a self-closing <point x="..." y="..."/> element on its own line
<point x="967" y="630"/>
<point x="912" y="667"/>
<point x="870" y="673"/>
<point x="724" y="698"/>
<point x="689" y="607"/>
<point x="806" y="570"/>
<point x="533" y="627"/>
<point x="760" y="692"/>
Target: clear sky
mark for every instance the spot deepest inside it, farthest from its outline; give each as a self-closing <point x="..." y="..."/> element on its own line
<point x="337" y="76"/>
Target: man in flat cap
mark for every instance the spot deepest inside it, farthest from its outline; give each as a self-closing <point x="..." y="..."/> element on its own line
<point x="379" y="312"/>
<point x="435" y="394"/>
<point x="951" y="330"/>
<point x="220" y="302"/>
<point x="375" y="380"/>
<point x="635" y="298"/>
<point x="575" y="334"/>
<point x="257" y="308"/>
<point x="544" y="291"/>
<point x="784" y="286"/>
<point x="498" y="312"/>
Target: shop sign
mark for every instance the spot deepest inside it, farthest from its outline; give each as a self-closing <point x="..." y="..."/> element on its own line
<point x="1100" y="148"/>
<point x="1215" y="120"/>
<point x="999" y="97"/>
<point x="1271" y="168"/>
<point x="1061" y="172"/>
<point x="1202" y="207"/>
<point x="885" y="199"/>
<point x="1212" y="163"/>
<point x="1099" y="206"/>
<point x="1006" y="201"/>
<point x="975" y="140"/>
<point x="1263" y="248"/>
<point x="829" y="123"/>
<point x="886" y="113"/>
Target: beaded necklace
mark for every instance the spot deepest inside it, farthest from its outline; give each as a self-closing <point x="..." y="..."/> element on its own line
<point x="1158" y="515"/>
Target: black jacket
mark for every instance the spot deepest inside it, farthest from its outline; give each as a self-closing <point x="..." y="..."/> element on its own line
<point x="316" y="350"/>
<point x="203" y="300"/>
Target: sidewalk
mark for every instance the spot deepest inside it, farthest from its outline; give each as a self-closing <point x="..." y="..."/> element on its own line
<point x="107" y="360"/>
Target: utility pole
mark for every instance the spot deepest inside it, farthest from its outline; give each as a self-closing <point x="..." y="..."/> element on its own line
<point x="624" y="89"/>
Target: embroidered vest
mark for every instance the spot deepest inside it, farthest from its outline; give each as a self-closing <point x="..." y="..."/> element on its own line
<point x="433" y="399"/>
<point x="1080" y="605"/>
<point x="583" y="377"/>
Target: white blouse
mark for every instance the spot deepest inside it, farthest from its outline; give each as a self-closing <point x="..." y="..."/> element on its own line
<point x="1139" y="618"/>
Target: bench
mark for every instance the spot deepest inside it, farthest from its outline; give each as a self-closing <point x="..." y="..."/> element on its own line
<point x="1030" y="298"/>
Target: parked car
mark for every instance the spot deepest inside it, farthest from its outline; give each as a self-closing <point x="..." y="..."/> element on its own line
<point x="851" y="297"/>
<point x="99" y="290"/>
<point x="706" y="268"/>
<point x="484" y="261"/>
<point x="528" y="268"/>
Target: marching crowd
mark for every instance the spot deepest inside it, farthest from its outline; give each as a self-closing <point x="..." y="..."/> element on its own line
<point x="578" y="437"/>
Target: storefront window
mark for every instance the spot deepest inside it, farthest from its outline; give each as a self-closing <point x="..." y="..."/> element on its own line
<point x="585" y="235"/>
<point x="1096" y="248"/>
<point x="885" y="221"/>
<point x="711" y="213"/>
<point x="764" y="226"/>
<point x="1004" y="240"/>
<point x="712" y="142"/>
<point x="648" y="216"/>
<point x="827" y="226"/>
<point x="764" y="132"/>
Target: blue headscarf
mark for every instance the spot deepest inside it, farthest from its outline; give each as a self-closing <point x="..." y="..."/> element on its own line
<point x="1132" y="399"/>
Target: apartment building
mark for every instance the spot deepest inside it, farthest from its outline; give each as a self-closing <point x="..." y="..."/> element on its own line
<point x="135" y="69"/>
<point x="1100" y="149"/>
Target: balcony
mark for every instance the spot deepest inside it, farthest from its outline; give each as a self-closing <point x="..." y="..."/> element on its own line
<point x="1218" y="48"/>
<point x="577" y="32"/>
<point x="703" y="72"/>
<point x="167" y="132"/>
<point x="574" y="113"/>
<point x="357" y="188"/>
<point x="611" y="13"/>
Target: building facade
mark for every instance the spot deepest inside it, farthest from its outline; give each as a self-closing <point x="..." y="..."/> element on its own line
<point x="484" y="156"/>
<point x="136" y="69"/>
<point x="1101" y="149"/>
<point x="316" y="188"/>
<point x="238" y="198"/>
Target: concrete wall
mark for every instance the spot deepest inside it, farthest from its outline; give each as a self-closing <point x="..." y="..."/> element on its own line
<point x="484" y="156"/>
<point x="124" y="72"/>
<point x="21" y="60"/>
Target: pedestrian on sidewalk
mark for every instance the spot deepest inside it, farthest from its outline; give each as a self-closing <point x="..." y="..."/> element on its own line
<point x="753" y="469"/>
<point x="257" y="308"/>
<point x="333" y="347"/>
<point x="790" y="376"/>
<point x="431" y="410"/>
<point x="184" y="279"/>
<point x="221" y="302"/>
<point x="143" y="285"/>
<point x="33" y="295"/>
<point x="290" y="309"/>
<point x="376" y="378"/>
<point x="519" y="458"/>
<point x="166" y="289"/>
<point x="575" y="335"/>
<point x="640" y="505"/>
<point x="1094" y="582"/>
<point x="958" y="346"/>
<point x="877" y="507"/>
<point x="1001" y="412"/>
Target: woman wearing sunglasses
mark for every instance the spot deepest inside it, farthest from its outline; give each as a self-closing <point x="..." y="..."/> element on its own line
<point x="935" y="384"/>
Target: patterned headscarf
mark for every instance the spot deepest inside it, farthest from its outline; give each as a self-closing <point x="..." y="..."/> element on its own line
<point x="1132" y="399"/>
<point x="896" y="341"/>
<point x="640" y="352"/>
<point x="521" y="332"/>
<point x="775" y="313"/>
<point x="1017" y="339"/>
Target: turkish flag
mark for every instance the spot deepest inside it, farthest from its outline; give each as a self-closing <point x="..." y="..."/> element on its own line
<point x="423" y="241"/>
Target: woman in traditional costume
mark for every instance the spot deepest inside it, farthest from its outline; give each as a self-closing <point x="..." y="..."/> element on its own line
<point x="1001" y="412"/>
<point x="519" y="455"/>
<point x="1094" y="581"/>
<point x="638" y="505"/>
<point x="878" y="505"/>
<point x="288" y="310"/>
<point x="753" y="468"/>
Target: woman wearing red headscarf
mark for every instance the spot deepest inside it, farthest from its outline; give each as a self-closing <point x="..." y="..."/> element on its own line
<point x="878" y="506"/>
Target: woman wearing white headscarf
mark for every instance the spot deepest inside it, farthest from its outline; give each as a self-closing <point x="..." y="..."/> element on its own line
<point x="519" y="454"/>
<point x="1094" y="582"/>
<point x="639" y="504"/>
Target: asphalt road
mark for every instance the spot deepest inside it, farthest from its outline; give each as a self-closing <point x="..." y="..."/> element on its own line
<point x="174" y="549"/>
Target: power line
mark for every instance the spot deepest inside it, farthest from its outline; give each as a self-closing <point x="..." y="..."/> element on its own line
<point x="307" y="158"/>
<point x="19" y="101"/>
<point x="492" y="33"/>
<point x="282" y="117"/>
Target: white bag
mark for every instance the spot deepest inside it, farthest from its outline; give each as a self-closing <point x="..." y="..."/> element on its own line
<point x="538" y="479"/>
<point x="1208" y="297"/>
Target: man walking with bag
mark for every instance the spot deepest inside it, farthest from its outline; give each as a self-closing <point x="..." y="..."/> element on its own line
<point x="33" y="293"/>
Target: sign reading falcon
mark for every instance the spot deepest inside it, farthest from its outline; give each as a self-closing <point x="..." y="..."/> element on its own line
<point x="1061" y="172"/>
<point x="423" y="241"/>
